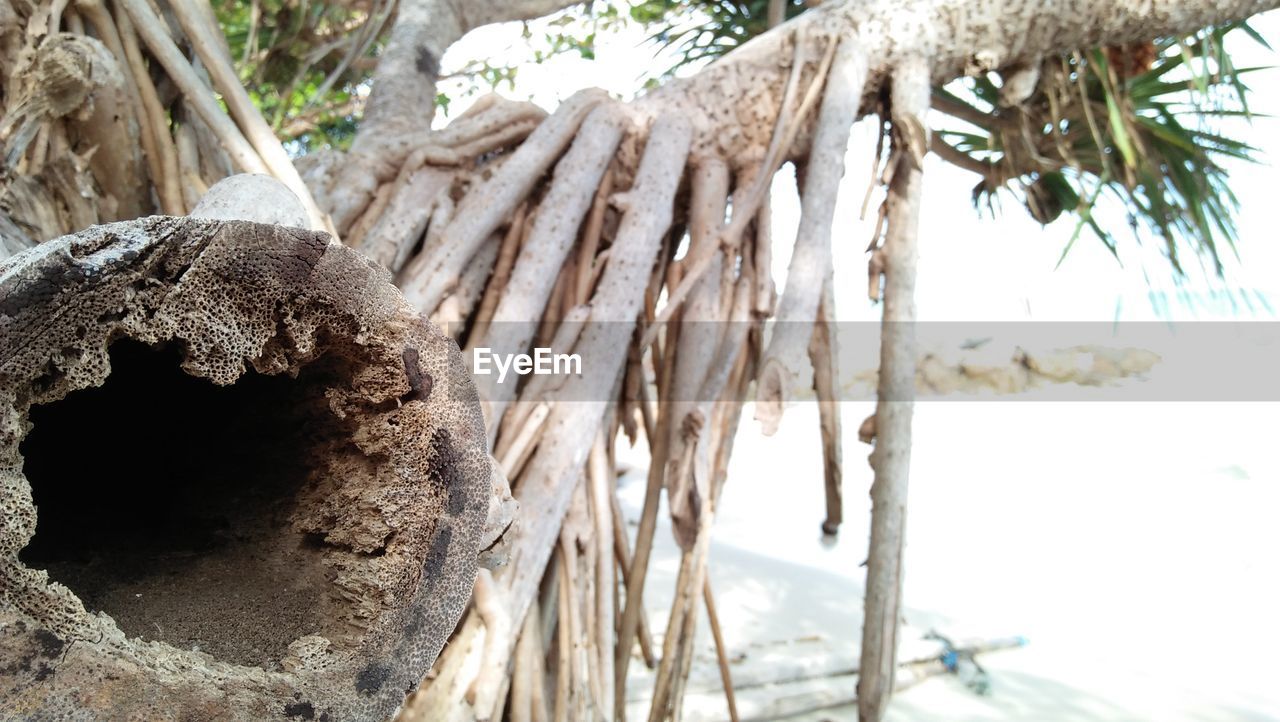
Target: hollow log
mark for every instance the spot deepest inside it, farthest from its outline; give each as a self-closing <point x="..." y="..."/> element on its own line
<point x="240" y="478"/>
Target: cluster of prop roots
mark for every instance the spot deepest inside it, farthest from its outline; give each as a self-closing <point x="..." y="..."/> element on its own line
<point x="516" y="229"/>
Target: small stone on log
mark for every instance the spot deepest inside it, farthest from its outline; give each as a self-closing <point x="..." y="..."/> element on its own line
<point x="252" y="197"/>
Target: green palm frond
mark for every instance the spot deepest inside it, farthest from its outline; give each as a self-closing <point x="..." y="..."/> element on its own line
<point x="1146" y="133"/>
<point x="703" y="30"/>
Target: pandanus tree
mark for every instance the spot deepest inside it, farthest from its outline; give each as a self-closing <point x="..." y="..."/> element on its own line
<point x="515" y="227"/>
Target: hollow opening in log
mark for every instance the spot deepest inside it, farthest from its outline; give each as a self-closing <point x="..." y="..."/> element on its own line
<point x="164" y="501"/>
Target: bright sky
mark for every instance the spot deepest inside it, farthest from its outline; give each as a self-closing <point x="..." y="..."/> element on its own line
<point x="971" y="267"/>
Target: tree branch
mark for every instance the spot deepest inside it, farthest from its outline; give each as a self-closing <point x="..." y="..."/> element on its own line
<point x="947" y="103"/>
<point x="404" y="84"/>
<point x="989" y="171"/>
<point x="949" y="33"/>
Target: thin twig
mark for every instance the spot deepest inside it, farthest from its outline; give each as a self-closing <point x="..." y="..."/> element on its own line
<point x="722" y="655"/>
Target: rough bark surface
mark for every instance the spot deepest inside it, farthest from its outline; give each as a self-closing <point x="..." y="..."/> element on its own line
<point x="404" y="95"/>
<point x="699" y="339"/>
<point x="327" y="599"/>
<point x="891" y="458"/>
<point x="733" y="103"/>
<point x="810" y="265"/>
<point x="550" y="239"/>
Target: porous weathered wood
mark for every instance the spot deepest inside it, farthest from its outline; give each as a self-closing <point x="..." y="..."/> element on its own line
<point x="287" y="530"/>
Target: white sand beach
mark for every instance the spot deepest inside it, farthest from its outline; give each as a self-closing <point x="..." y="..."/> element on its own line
<point x="1135" y="545"/>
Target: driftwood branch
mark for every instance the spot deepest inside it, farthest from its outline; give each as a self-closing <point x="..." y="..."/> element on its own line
<point x="553" y="472"/>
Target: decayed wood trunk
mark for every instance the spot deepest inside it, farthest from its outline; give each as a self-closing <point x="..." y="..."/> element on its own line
<point x="241" y="445"/>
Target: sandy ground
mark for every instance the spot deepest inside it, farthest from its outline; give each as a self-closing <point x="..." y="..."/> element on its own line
<point x="1135" y="545"/>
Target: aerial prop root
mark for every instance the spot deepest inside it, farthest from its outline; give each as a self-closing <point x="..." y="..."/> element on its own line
<point x="746" y="208"/>
<point x="438" y="270"/>
<point x="785" y="359"/>
<point x="552" y="474"/>
<point x="553" y="229"/>
<point x="891" y="457"/>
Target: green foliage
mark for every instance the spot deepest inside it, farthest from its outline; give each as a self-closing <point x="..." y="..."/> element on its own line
<point x="306" y="65"/>
<point x="1150" y="139"/>
<point x="573" y="32"/>
<point x="702" y="30"/>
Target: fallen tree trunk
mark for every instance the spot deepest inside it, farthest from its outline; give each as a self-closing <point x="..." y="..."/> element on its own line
<point x="240" y="477"/>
